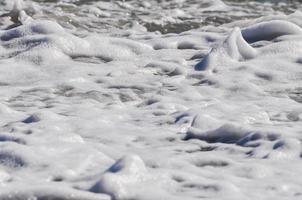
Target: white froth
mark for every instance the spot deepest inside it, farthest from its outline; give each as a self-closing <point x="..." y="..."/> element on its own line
<point x="134" y="114"/>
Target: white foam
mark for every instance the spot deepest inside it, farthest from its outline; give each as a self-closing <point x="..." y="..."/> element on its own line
<point x="89" y="112"/>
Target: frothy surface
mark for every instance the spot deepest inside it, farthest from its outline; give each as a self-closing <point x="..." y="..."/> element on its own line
<point x="93" y="109"/>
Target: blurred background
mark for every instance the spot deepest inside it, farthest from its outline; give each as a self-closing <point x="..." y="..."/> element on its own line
<point x="164" y="16"/>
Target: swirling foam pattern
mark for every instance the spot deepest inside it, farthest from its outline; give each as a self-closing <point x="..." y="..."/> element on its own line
<point x="94" y="108"/>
